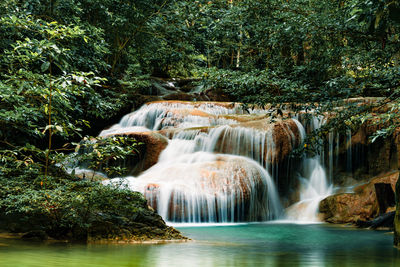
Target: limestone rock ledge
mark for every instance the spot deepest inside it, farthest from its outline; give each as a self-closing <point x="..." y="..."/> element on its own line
<point x="361" y="205"/>
<point x="148" y="229"/>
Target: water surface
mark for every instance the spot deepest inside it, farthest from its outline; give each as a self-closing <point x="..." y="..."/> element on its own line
<point x="235" y="245"/>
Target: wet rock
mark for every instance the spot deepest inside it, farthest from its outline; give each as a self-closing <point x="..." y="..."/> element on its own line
<point x="227" y="184"/>
<point x="270" y="142"/>
<point x="286" y="138"/>
<point x="370" y="159"/>
<point x="215" y="95"/>
<point x="360" y="205"/>
<point x="180" y="96"/>
<point x="384" y="222"/>
<point x="244" y="117"/>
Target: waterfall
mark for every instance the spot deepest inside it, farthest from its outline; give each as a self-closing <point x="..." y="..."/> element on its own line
<point x="215" y="166"/>
<point x="315" y="184"/>
<point x="314" y="187"/>
<point x="157" y="116"/>
<point x="189" y="184"/>
<point x="222" y="163"/>
<point x="207" y="187"/>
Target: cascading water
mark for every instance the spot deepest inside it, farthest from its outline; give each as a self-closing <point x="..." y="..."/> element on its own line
<point x="212" y="169"/>
<point x="216" y="166"/>
<point x="314" y="182"/>
<point x="207" y="187"/>
<point x="157" y="116"/>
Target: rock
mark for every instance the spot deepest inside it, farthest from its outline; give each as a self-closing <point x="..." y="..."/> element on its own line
<point x="371" y="159"/>
<point x="360" y="205"/>
<point x="193" y="190"/>
<point x="385" y="196"/>
<point x="215" y="95"/>
<point x="244" y="117"/>
<point x="141" y="227"/>
<point x="272" y="142"/>
<point x="384" y="221"/>
<point x="286" y="138"/>
<point x="90" y="175"/>
<point x="154" y="144"/>
<point x="397" y="216"/>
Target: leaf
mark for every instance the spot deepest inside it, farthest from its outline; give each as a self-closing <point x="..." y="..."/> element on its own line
<point x="45" y="66"/>
<point x="47" y="127"/>
<point x="59" y="128"/>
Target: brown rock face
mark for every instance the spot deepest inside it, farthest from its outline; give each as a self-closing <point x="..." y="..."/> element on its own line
<point x="360" y="205"/>
<point x="286" y="138"/>
<point x="154" y="143"/>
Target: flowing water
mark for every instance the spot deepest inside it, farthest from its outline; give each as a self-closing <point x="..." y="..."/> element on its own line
<point x="314" y="182"/>
<point x="238" y="245"/>
<point x="221" y="163"/>
<point x="214" y="174"/>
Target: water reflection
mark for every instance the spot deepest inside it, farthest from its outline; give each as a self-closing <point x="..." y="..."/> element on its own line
<point x="242" y="245"/>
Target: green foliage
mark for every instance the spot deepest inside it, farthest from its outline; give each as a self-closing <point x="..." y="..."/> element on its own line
<point x="66" y="208"/>
<point x="106" y="154"/>
<point x="50" y="88"/>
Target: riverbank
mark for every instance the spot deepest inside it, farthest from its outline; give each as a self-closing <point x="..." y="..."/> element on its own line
<point x="142" y="240"/>
<point x="80" y="210"/>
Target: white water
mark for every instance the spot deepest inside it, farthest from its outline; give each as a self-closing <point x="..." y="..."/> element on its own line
<point x="157" y="116"/>
<point x="207" y="187"/>
<point x="314" y="187"/>
<point x="214" y="169"/>
<point x="314" y="183"/>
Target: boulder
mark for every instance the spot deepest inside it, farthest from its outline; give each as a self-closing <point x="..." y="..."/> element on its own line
<point x="90" y="175"/>
<point x="151" y="228"/>
<point x="197" y="104"/>
<point x="286" y="138"/>
<point x="211" y="187"/>
<point x="361" y="205"/>
<point x="266" y="141"/>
